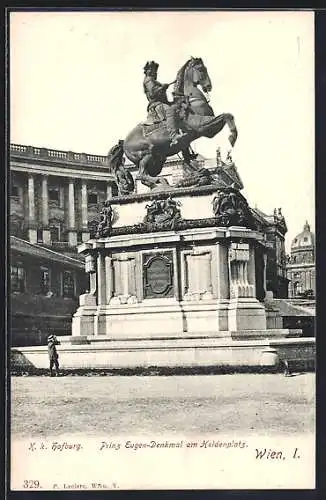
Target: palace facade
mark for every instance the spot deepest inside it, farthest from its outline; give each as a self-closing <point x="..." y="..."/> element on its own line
<point x="55" y="202"/>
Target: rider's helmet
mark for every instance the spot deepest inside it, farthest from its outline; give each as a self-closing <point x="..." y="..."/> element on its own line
<point x="151" y="66"/>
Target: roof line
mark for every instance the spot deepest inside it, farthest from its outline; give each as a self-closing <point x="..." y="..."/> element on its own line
<point x="47" y="249"/>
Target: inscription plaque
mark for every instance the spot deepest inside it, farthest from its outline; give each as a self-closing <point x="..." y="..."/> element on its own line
<point x="158" y="275"/>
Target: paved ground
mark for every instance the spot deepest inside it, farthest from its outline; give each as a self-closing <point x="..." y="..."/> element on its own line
<point x="95" y="406"/>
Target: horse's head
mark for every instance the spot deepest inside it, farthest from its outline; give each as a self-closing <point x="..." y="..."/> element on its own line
<point x="193" y="72"/>
<point x="199" y="74"/>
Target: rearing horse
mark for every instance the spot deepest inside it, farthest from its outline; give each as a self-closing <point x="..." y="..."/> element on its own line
<point x="149" y="146"/>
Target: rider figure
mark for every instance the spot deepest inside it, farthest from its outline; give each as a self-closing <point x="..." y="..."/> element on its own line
<point x="156" y="94"/>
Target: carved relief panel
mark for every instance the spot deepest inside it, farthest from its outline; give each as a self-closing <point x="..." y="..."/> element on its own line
<point x="158" y="275"/>
<point x="123" y="279"/>
<point x="197" y="274"/>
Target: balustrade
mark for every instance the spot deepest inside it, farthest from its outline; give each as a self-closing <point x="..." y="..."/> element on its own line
<point x="54" y="154"/>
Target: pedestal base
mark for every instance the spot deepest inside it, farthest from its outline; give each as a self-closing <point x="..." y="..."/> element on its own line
<point x="103" y="353"/>
<point x="155" y="317"/>
<point x="167" y="316"/>
<point x="246" y="314"/>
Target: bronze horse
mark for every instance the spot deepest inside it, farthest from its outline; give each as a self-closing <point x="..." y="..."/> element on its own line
<point x="148" y="146"/>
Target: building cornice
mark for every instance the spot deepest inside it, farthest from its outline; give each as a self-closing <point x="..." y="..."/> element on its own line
<point x="61" y="170"/>
<point x="26" y="247"/>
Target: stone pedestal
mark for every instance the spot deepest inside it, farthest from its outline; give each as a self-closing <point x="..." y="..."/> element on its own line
<point x="246" y="314"/>
<point x="156" y="281"/>
<point x="172" y="284"/>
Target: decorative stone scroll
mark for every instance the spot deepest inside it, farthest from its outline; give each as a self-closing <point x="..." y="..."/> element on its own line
<point x="238" y="269"/>
<point x="104" y="227"/>
<point x="231" y="209"/>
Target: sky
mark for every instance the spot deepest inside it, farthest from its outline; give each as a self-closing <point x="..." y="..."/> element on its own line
<point x="76" y="84"/>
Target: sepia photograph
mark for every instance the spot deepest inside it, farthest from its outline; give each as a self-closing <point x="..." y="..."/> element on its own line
<point x="161" y="250"/>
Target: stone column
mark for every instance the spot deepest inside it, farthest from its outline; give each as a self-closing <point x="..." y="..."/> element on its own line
<point x="222" y="277"/>
<point x="250" y="272"/>
<point x="108" y="191"/>
<point x="32" y="225"/>
<point x="265" y="270"/>
<point x="84" y="211"/>
<point x="46" y="235"/>
<point x="101" y="280"/>
<point x="109" y="278"/>
<point x="72" y="233"/>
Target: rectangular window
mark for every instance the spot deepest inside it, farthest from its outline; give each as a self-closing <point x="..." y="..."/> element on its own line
<point x="54" y="195"/>
<point x="17" y="279"/>
<point x="45" y="280"/>
<point x="14" y="191"/>
<point x="92" y="199"/>
<point x="68" y="282"/>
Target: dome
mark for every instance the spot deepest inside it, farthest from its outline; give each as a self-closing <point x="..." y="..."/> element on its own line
<point x="303" y="240"/>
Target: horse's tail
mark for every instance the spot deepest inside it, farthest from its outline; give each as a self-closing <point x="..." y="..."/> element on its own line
<point x="123" y="177"/>
<point x="115" y="156"/>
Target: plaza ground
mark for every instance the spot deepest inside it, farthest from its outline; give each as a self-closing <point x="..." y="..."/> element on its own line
<point x="108" y="405"/>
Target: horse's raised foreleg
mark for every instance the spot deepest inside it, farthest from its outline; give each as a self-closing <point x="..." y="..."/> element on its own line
<point x="209" y="127"/>
<point x="143" y="176"/>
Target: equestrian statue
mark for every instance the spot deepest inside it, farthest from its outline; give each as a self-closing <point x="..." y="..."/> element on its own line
<point x="170" y="127"/>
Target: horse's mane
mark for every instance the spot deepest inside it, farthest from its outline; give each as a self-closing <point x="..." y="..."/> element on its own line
<point x="178" y="89"/>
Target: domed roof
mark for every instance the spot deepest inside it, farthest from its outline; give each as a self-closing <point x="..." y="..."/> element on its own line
<point x="304" y="239"/>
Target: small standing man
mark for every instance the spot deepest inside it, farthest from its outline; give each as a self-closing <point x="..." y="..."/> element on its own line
<point x="157" y="98"/>
<point x="53" y="355"/>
